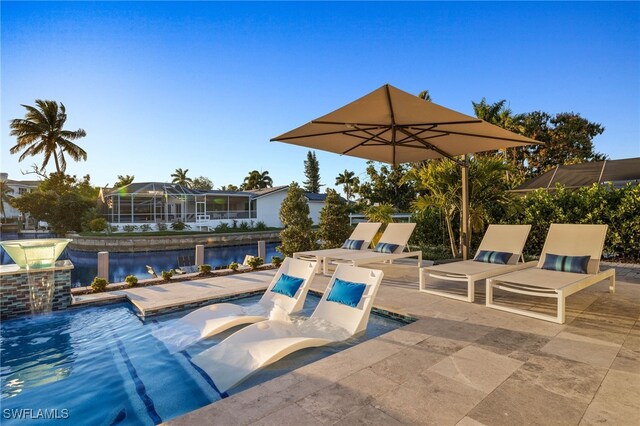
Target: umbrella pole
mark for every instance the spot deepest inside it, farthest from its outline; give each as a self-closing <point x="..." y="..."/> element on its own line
<point x="465" y="209"/>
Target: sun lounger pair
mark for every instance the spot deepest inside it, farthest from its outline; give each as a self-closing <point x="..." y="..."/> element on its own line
<point x="391" y="246"/>
<point x="342" y="312"/>
<point x="569" y="262"/>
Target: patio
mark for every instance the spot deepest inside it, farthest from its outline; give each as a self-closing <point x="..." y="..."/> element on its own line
<point x="460" y="363"/>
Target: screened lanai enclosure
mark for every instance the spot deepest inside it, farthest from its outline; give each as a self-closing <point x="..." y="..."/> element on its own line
<point x="156" y="202"/>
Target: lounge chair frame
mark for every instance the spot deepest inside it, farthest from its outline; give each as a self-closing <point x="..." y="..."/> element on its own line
<point x="395" y="233"/>
<point x="504" y="238"/>
<point x="565" y="239"/>
<point x="363" y="231"/>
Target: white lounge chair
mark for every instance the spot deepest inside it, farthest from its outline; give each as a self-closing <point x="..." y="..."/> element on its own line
<point x="261" y="344"/>
<point x="364" y="231"/>
<point x="216" y="318"/>
<point x="397" y="234"/>
<point x="497" y="238"/>
<point x="562" y="240"/>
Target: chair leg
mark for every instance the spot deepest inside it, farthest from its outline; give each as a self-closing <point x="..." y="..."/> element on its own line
<point x="471" y="290"/>
<point x="612" y="282"/>
<point x="421" y="279"/>
<point x="489" y="292"/>
<point x="561" y="307"/>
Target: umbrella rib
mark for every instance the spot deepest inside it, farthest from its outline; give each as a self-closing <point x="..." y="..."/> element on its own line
<point x="373" y="137"/>
<point x="417" y="134"/>
<point x="344" y="132"/>
<point x="450" y="132"/>
<point x="430" y="146"/>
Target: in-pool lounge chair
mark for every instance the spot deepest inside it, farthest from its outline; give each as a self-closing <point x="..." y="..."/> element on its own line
<point x="342" y="312"/>
<point x="360" y="239"/>
<point x="508" y="240"/>
<point x="391" y="246"/>
<point x="218" y="317"/>
<point x="569" y="262"/>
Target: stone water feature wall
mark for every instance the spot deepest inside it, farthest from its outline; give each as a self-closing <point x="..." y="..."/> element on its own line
<point x="15" y="289"/>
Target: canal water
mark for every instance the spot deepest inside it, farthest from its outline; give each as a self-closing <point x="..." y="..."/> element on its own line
<point x="134" y="263"/>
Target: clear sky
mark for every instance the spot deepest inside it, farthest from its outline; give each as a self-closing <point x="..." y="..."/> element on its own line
<point x="204" y="86"/>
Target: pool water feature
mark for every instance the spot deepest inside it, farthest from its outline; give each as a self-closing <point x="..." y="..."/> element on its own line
<point x="104" y="366"/>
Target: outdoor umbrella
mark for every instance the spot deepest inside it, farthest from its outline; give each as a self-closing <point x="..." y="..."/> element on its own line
<point x="393" y="126"/>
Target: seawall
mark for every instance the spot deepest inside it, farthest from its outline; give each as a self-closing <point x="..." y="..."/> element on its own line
<point x="170" y="242"/>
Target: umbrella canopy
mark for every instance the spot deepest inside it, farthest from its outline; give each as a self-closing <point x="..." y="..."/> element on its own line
<point x="393" y="126"/>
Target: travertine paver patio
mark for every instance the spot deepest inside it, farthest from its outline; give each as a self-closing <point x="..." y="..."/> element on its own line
<point x="460" y="363"/>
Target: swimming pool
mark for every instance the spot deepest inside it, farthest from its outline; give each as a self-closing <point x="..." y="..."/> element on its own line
<point x="102" y="366"/>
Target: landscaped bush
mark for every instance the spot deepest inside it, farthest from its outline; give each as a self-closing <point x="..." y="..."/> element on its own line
<point x="145" y="227"/>
<point x="234" y="266"/>
<point x="161" y="226"/>
<point x="234" y="224"/>
<point x="204" y="269"/>
<point x="113" y="228"/>
<point x="99" y="285"/>
<point x="98" y="224"/>
<point x="131" y="280"/>
<point x="129" y="228"/>
<point x="260" y="226"/>
<point x="223" y="227"/>
<point x="255" y="261"/>
<point x="178" y="226"/>
<point x="297" y="234"/>
<point x="244" y="226"/>
<point x="167" y="275"/>
<point x="276" y="260"/>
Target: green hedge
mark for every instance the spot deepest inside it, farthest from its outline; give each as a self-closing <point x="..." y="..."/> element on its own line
<point x="617" y="207"/>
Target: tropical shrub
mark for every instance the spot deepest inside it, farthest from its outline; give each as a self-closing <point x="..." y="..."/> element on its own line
<point x="234" y="266"/>
<point x="161" y="226"/>
<point x="234" y="224"/>
<point x="178" y="226"/>
<point x="335" y="226"/>
<point x="129" y="228"/>
<point x="99" y="285"/>
<point x="145" y="227"/>
<point x="260" y="226"/>
<point x="223" y="227"/>
<point x="276" y="260"/>
<point x="255" y="261"/>
<point x="294" y="215"/>
<point x="113" y="228"/>
<point x="244" y="226"/>
<point x="167" y="275"/>
<point x="131" y="280"/>
<point x="204" y="269"/>
<point x="98" y="224"/>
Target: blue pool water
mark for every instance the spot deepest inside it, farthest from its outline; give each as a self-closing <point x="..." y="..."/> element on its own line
<point x="134" y="263"/>
<point x="102" y="366"/>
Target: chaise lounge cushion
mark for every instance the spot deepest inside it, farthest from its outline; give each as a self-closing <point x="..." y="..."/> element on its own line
<point x="346" y="292"/>
<point x="499" y="257"/>
<point x="353" y="244"/>
<point x="287" y="285"/>
<point x="575" y="264"/>
<point x="385" y="248"/>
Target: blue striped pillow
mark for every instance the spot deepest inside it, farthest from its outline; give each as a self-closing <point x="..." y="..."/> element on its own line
<point x="353" y="244"/>
<point x="385" y="247"/>
<point x="576" y="264"/>
<point x="498" y="257"/>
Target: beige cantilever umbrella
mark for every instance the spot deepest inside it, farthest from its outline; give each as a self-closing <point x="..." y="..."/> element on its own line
<point x="393" y="126"/>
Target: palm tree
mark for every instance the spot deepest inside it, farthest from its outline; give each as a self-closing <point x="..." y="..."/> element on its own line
<point x="257" y="180"/>
<point x="5" y="196"/>
<point x="425" y="95"/>
<point x="231" y="187"/>
<point x="180" y="177"/>
<point x="41" y="132"/>
<point x="349" y="181"/>
<point x="123" y="181"/>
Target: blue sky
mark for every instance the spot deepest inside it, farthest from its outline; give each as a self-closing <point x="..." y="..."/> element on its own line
<point x="204" y="86"/>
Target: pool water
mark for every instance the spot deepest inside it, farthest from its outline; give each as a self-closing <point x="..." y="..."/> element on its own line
<point x="102" y="366"/>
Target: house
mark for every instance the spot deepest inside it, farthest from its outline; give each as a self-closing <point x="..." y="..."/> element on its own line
<point x="156" y="202"/>
<point x="19" y="188"/>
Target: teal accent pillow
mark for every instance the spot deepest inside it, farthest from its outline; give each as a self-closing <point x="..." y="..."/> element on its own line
<point x="353" y="244"/>
<point x="287" y="285"/>
<point x="576" y="264"/>
<point x="385" y="248"/>
<point x="498" y="257"/>
<point x="346" y="292"/>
